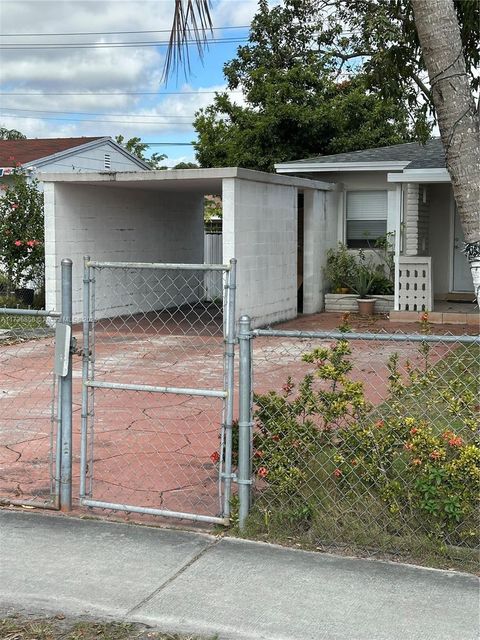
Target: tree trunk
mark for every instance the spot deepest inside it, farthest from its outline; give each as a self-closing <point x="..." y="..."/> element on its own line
<point x="458" y="119"/>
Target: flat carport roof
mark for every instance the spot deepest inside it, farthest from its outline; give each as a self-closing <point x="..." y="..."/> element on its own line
<point x="194" y="180"/>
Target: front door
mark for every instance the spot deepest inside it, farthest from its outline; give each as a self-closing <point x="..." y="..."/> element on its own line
<point x="462" y="276"/>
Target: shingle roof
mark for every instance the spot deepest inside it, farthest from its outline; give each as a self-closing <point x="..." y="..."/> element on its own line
<point x="428" y="156"/>
<point x="23" y="151"/>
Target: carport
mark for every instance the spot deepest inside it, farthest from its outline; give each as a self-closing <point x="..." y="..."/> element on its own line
<point x="277" y="227"/>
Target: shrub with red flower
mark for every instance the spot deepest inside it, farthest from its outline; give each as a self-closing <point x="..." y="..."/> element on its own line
<point x="215" y="457"/>
<point x="22" y="232"/>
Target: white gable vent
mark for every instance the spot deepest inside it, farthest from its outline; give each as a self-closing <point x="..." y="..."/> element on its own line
<point x="107" y="161"/>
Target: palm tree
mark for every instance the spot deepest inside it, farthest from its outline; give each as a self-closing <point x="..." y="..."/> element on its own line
<point x="458" y="115"/>
<point x="192" y="22"/>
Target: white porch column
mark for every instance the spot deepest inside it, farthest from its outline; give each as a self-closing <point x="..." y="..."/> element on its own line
<point x="398" y="205"/>
<point x="320" y="234"/>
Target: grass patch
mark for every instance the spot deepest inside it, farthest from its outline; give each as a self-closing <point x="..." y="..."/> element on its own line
<point x="16" y="627"/>
<point x="12" y="322"/>
<point x="391" y="486"/>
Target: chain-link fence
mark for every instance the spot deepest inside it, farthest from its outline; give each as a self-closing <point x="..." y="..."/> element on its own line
<point x="158" y="363"/>
<point x="367" y="443"/>
<point x="29" y="460"/>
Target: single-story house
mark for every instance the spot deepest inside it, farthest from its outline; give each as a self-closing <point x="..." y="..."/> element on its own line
<point x="66" y="155"/>
<point x="157" y="216"/>
<point x="404" y="190"/>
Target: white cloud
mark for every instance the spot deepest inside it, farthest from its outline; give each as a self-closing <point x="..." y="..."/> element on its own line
<point x="90" y="71"/>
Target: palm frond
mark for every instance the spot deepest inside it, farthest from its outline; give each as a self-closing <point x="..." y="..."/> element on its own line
<point x="192" y="22"/>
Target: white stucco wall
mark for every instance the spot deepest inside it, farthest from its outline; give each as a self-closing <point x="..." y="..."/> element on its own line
<point x="260" y="230"/>
<point x="123" y="225"/>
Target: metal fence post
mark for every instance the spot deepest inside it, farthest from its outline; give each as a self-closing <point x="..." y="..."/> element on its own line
<point x="66" y="394"/>
<point x="230" y="355"/>
<point x="244" y="419"/>
<point x="85" y="375"/>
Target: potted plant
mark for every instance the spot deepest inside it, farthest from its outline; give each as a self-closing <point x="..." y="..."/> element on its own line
<point x="361" y="282"/>
<point x="339" y="268"/>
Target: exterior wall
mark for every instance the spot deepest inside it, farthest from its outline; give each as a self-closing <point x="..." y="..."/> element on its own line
<point x="440" y="236"/>
<point x="320" y="234"/>
<point x="260" y="230"/>
<point x="342" y="303"/>
<point x="416" y="230"/>
<point x="123" y="225"/>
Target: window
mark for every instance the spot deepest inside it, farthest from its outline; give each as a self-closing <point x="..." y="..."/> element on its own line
<point x="366" y="218"/>
<point x="107" y="161"/>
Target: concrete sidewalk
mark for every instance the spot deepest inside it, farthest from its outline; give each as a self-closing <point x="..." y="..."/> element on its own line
<point x="189" y="582"/>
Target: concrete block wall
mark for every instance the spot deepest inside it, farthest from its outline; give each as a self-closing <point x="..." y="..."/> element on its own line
<point x="320" y="235"/>
<point x="417" y="220"/>
<point x="126" y="225"/>
<point x="260" y="230"/>
<point x="343" y="302"/>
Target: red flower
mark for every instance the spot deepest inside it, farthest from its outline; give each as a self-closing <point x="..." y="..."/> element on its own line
<point x="258" y="454"/>
<point x="414" y="431"/>
<point x="215" y="457"/>
<point x="416" y="461"/>
<point x="435" y="455"/>
<point x="18" y="243"/>
<point x="276" y="438"/>
<point x="448" y="435"/>
<point x="337" y="473"/>
<point x="455" y="442"/>
<point x="380" y="424"/>
<point x="263" y="472"/>
<point x="14" y="206"/>
<point x="408" y="446"/>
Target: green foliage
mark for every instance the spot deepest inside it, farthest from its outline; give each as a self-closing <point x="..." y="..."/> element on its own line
<point x="138" y="148"/>
<point x="11" y="134"/>
<point x="354" y="271"/>
<point x="295" y="103"/>
<point x="330" y="462"/>
<point x="340" y="266"/>
<point x="22" y="232"/>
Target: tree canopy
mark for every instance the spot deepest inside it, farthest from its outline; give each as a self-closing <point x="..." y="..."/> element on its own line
<point x="137" y="148"/>
<point x="11" y="134"/>
<point x="298" y="101"/>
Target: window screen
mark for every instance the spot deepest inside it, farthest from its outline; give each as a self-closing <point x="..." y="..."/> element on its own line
<point x="366" y="217"/>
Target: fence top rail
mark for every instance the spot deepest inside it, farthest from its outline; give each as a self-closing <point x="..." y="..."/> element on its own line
<point x="384" y="337"/>
<point x="4" y="311"/>
<point x="161" y="266"/>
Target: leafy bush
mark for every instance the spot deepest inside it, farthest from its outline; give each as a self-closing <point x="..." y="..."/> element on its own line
<point x="340" y="267"/>
<point x="21" y="232"/>
<point x="323" y="453"/>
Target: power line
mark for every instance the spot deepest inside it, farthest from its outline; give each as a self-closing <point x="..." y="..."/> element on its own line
<point x="11" y="115"/>
<point x="89" y="113"/>
<point x="110" y="45"/>
<point x="111" y="93"/>
<point x="107" y="33"/>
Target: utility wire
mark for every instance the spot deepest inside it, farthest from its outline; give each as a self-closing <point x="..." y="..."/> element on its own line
<point x="79" y="120"/>
<point x="89" y="113"/>
<point x="107" y="33"/>
<point x="109" y="45"/>
<point x="111" y="93"/>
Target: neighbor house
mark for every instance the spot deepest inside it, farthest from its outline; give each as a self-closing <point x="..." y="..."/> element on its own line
<point x="403" y="190"/>
<point x="66" y="155"/>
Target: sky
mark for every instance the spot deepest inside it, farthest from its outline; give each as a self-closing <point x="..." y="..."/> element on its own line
<point x="68" y="68"/>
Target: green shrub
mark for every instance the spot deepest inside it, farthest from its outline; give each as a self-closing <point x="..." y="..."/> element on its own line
<point x="325" y="457"/>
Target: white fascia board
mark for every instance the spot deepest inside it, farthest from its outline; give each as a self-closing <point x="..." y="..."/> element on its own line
<point x="420" y="175"/>
<point x="305" y="167"/>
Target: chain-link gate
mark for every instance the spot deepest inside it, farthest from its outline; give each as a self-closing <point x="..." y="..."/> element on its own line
<point x="36" y="402"/>
<point x="157" y="393"/>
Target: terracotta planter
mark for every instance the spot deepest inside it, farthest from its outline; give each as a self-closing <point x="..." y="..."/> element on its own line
<point x="366" y="306"/>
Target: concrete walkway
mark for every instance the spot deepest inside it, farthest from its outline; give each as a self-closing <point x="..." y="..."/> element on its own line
<point x="189" y="582"/>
